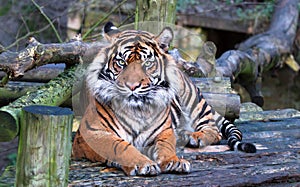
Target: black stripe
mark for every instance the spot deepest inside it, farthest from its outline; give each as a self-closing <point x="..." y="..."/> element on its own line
<point x="125" y="148"/>
<point x="88" y="126"/>
<point x="107" y="122"/>
<point x="204" y="106"/>
<point x="206" y="113"/>
<point x="200" y="125"/>
<point x="223" y="128"/>
<point x="156" y="129"/>
<point x="186" y="82"/>
<point x="116" y="146"/>
<point x="133" y="133"/>
<point x="167" y="147"/>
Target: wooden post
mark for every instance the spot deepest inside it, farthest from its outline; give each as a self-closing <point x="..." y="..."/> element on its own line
<point x="44" y="146"/>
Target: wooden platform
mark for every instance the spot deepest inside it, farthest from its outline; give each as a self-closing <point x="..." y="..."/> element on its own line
<point x="277" y="162"/>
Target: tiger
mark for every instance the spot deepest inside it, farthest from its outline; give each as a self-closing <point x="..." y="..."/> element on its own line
<point x="141" y="105"/>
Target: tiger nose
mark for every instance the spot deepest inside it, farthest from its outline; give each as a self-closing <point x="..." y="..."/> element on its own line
<point x="133" y="86"/>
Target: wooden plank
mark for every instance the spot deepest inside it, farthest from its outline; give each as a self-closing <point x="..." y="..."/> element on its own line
<point x="208" y="21"/>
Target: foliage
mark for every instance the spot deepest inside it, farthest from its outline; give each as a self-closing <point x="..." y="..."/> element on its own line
<point x="12" y="159"/>
<point x="5" y="8"/>
<point x="184" y="4"/>
<point x="261" y="10"/>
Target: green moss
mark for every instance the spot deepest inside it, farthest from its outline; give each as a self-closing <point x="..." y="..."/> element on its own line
<point x="5" y="8"/>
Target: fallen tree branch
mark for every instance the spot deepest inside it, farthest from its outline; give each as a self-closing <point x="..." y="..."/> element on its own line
<point x="15" y="64"/>
<point x="257" y="54"/>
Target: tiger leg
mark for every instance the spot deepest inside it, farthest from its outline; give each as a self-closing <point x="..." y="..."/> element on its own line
<point x="206" y="131"/>
<point x="204" y="138"/>
<point x="94" y="142"/>
<point x="115" y="152"/>
<point x="165" y="154"/>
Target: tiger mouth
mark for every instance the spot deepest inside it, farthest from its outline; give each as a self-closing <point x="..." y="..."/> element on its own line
<point x="138" y="98"/>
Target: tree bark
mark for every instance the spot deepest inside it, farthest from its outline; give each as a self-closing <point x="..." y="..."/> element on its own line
<point x="44" y="146"/>
<point x="161" y="12"/>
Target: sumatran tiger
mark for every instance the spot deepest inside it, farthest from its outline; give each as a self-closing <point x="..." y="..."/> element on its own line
<point x="141" y="103"/>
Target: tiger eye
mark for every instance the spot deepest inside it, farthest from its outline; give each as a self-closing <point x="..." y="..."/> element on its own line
<point x="121" y="63"/>
<point x="148" y="64"/>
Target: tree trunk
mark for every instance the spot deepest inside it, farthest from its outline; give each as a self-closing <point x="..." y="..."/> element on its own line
<point x="44" y="146"/>
<point x="159" y="12"/>
<point x="53" y="93"/>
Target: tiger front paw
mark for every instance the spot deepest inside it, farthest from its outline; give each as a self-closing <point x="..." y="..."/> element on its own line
<point x="175" y="165"/>
<point x="147" y="167"/>
<point x="203" y="138"/>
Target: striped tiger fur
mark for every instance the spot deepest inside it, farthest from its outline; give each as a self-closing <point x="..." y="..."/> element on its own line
<point x="141" y="104"/>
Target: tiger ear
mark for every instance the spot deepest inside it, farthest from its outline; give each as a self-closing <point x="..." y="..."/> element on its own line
<point x="110" y="31"/>
<point x="165" y="38"/>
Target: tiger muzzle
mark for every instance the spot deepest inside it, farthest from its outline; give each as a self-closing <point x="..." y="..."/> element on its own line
<point x="133" y="77"/>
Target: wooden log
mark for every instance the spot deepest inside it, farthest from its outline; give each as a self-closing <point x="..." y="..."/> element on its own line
<point x="53" y="93"/>
<point x="213" y="84"/>
<point x="44" y="146"/>
<point x="40" y="74"/>
<point x="219" y="94"/>
<point x="227" y="105"/>
<point x="268" y="115"/>
<point x="15" y="89"/>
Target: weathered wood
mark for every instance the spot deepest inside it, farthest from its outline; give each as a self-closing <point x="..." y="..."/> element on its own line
<point x="15" y="89"/>
<point x="213" y="84"/>
<point x="268" y="115"/>
<point x="218" y="93"/>
<point x="275" y="163"/>
<point x="40" y="74"/>
<point x="226" y="104"/>
<point x="216" y="22"/>
<point x="44" y="146"/>
<point x="159" y="11"/>
<point x="15" y="64"/>
<point x="53" y="93"/>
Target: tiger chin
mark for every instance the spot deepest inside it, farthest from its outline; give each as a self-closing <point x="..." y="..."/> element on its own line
<point x="141" y="104"/>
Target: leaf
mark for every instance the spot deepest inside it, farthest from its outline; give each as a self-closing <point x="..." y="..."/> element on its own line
<point x="290" y="61"/>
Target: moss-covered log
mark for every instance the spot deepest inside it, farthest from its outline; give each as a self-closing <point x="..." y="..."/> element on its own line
<point x="44" y="146"/>
<point x="15" y="89"/>
<point x="53" y="93"/>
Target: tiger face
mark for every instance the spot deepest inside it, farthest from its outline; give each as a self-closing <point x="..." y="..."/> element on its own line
<point x="130" y="74"/>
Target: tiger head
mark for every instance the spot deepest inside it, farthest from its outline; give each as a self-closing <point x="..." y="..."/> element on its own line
<point x="134" y="71"/>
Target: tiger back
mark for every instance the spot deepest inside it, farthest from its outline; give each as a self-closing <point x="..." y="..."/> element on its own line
<point x="141" y="104"/>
